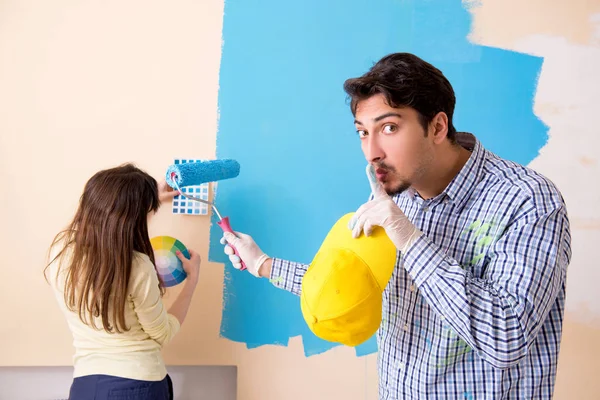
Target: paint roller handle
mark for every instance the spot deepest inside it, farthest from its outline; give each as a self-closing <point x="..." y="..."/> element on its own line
<point x="226" y="226"/>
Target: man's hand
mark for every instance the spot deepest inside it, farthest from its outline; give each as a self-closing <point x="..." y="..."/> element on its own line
<point x="248" y="250"/>
<point x="383" y="212"/>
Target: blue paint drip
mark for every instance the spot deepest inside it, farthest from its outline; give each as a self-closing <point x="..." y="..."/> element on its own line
<point x="283" y="116"/>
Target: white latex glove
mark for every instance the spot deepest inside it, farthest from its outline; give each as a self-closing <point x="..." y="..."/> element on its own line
<point x="383" y="212"/>
<point x="248" y="250"/>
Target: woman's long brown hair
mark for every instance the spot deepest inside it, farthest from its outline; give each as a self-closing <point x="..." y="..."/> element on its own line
<point x="111" y="223"/>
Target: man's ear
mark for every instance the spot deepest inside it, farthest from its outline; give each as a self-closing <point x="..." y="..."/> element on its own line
<point x="439" y="127"/>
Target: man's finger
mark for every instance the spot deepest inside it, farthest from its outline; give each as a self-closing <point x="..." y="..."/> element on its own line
<point x="368" y="228"/>
<point x="376" y="186"/>
<point x="360" y="212"/>
<point x="231" y="238"/>
<point x="352" y="222"/>
<point x="358" y="227"/>
<point x="228" y="250"/>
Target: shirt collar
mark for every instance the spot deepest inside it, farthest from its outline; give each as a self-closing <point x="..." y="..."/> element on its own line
<point x="459" y="189"/>
<point x="463" y="184"/>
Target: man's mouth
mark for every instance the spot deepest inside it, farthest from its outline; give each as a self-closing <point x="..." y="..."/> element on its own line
<point x="380" y="173"/>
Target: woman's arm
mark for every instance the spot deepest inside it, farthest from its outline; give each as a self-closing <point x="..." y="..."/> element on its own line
<point x="159" y="324"/>
<point x="181" y="305"/>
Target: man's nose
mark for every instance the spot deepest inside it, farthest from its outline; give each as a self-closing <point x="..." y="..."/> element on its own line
<point x="373" y="151"/>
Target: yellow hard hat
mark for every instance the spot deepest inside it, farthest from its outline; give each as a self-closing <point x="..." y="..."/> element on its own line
<point x="342" y="290"/>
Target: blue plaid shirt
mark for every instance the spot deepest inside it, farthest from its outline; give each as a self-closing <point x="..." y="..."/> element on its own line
<point x="474" y="308"/>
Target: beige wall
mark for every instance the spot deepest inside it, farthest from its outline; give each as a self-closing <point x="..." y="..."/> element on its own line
<point x="567" y="35"/>
<point x="89" y="84"/>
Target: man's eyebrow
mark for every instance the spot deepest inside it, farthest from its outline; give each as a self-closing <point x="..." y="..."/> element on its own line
<point x="383" y="116"/>
<point x="390" y="114"/>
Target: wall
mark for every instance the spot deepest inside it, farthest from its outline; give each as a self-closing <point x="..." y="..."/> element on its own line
<point x="263" y="57"/>
<point x="91" y="84"/>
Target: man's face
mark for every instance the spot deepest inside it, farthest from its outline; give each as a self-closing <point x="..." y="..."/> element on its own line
<point x="394" y="141"/>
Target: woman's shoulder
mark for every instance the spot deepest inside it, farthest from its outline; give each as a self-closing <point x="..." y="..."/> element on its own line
<point x="142" y="265"/>
<point x="143" y="273"/>
<point x="141" y="261"/>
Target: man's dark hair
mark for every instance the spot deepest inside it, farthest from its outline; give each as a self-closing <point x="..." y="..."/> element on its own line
<point x="405" y="80"/>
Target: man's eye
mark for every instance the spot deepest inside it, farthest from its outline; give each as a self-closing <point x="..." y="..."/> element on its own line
<point x="390" y="129"/>
<point x="361" y="133"/>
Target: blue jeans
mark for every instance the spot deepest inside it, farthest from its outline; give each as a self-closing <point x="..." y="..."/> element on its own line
<point x="105" y="387"/>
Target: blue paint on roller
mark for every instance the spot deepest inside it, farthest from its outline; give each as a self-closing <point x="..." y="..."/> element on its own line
<point x="282" y="70"/>
<point x="197" y="173"/>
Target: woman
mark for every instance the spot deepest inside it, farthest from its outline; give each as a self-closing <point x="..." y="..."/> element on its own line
<point x="102" y="271"/>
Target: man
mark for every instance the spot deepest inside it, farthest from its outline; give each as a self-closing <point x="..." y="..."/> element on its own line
<point x="475" y="305"/>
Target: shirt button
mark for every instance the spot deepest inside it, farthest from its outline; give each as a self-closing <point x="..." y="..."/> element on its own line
<point x="425" y="209"/>
<point x="406" y="327"/>
<point x="412" y="287"/>
<point x="400" y="366"/>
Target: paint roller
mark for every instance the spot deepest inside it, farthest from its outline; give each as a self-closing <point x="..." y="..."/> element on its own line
<point x="199" y="172"/>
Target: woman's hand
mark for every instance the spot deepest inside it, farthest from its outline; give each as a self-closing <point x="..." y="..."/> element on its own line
<point x="166" y="192"/>
<point x="191" y="266"/>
